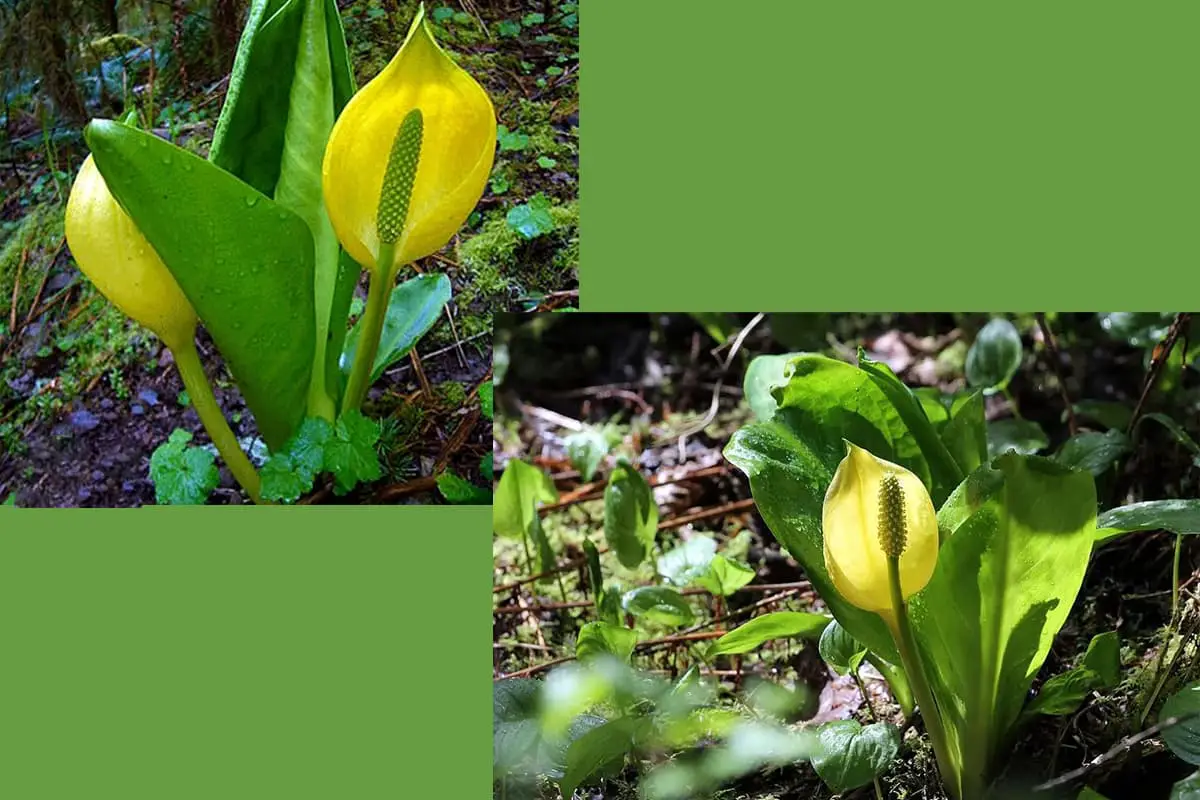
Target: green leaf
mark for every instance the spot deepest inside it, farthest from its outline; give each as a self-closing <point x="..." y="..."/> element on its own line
<point x="1104" y="656"/>
<point x="546" y="163"/>
<point x="846" y="403"/>
<point x="724" y="577"/>
<point x="532" y="18"/>
<point x="1176" y="430"/>
<point x="601" y="750"/>
<point x="966" y="434"/>
<point x="11" y="500"/>
<point x="1021" y="436"/>
<point x="1088" y="794"/>
<point x="1183" y="739"/>
<point x="790" y="462"/>
<point x="413" y="308"/>
<point x="764" y="628"/>
<point x="1186" y="789"/>
<point x="944" y="471"/>
<point x="182" y="475"/>
<point x="849" y="755"/>
<point x="461" y="492"/>
<point x="763" y="376"/>
<point x="630" y="515"/>
<point x="442" y="14"/>
<point x="1006" y="577"/>
<point x="1177" y="516"/>
<point x="1063" y="694"/>
<point x="521" y="488"/>
<point x="995" y="355"/>
<point x="586" y="449"/>
<point x="608" y="606"/>
<point x="244" y="262"/>
<point x="350" y="453"/>
<point x="508" y="28"/>
<point x="532" y="219"/>
<point x="485" y="466"/>
<point x="1138" y="328"/>
<point x="604" y="638"/>
<point x="660" y="604"/>
<point x="546" y="558"/>
<point x="839" y="649"/>
<point x="1094" y="452"/>
<point x="290" y="472"/>
<point x="595" y="576"/>
<point x="686" y="563"/>
<point x="1110" y="414"/>
<point x="516" y="729"/>
<point x="511" y="140"/>
<point x="486" y="399"/>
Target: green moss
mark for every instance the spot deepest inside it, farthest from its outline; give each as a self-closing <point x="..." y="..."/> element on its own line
<point x="40" y="230"/>
<point x="453" y="394"/>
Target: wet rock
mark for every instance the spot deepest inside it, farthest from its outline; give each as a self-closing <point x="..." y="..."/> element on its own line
<point x="106" y="404"/>
<point x="83" y="420"/>
<point x="148" y="396"/>
<point x="137" y="409"/>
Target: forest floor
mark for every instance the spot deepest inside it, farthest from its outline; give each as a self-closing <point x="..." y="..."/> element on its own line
<point x="657" y="388"/>
<point x="86" y="395"/>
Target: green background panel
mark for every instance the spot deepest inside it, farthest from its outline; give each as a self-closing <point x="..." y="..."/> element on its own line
<point x="244" y="653"/>
<point x="803" y="155"/>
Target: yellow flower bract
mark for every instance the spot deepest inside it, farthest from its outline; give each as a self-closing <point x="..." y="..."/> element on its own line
<point x="457" y="150"/>
<point x="854" y="554"/>
<point x="116" y="257"/>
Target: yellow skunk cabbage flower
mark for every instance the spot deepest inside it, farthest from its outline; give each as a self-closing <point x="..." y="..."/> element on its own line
<point x="430" y="128"/>
<point x="874" y="510"/>
<point x="112" y="252"/>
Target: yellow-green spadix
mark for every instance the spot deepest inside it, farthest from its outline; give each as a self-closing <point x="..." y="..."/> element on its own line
<point x="430" y="128"/>
<point x="113" y="253"/>
<point x="873" y="509"/>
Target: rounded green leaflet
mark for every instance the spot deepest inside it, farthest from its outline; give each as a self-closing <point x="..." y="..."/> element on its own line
<point x="244" y="262"/>
<point x="849" y="755"/>
<point x="995" y="355"/>
<point x="399" y="177"/>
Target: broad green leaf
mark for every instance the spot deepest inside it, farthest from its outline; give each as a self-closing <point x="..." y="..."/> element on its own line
<point x="1138" y="328"/>
<point x="552" y="754"/>
<point x="630" y="514"/>
<point x="933" y="404"/>
<point x="697" y="726"/>
<point x="1110" y="414"/>
<point x="1090" y="794"/>
<point x="1018" y="543"/>
<point x="1094" y="452"/>
<point x="608" y="605"/>
<point x="840" y="650"/>
<point x="249" y="137"/>
<point x="790" y="462"/>
<point x="1064" y="693"/>
<point x="350" y="453"/>
<point x="515" y="726"/>
<point x="846" y="403"/>
<point x="601" y="750"/>
<point x="244" y="262"/>
<point x="521" y="488"/>
<point x="966" y="434"/>
<point x="944" y="471"/>
<point x="1183" y="739"/>
<point x="995" y="355"/>
<point x="724" y="577"/>
<point x="660" y="604"/>
<point x="1021" y="436"/>
<point x="764" y="628"/>
<point x="604" y="638"/>
<point x="763" y="376"/>
<point x="1177" y="516"/>
<point x="849" y="755"/>
<point x="1104" y="656"/>
<point x="541" y="542"/>
<point x="1186" y="789"/>
<point x="413" y="308"/>
<point x="683" y="565"/>
<point x="586" y="449"/>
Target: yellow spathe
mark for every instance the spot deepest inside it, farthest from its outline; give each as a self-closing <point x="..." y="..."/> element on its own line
<point x="851" y="519"/>
<point x="457" y="148"/>
<point x="116" y="257"/>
